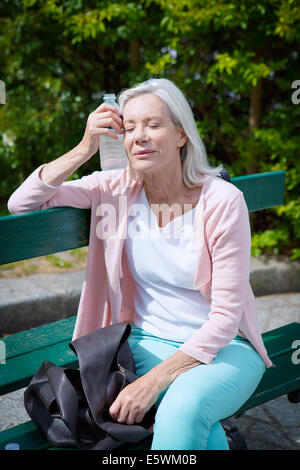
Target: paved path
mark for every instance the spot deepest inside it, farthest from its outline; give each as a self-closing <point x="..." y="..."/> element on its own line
<point x="272" y="426"/>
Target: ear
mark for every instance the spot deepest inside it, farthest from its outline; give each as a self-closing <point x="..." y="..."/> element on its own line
<point x="182" y="138"/>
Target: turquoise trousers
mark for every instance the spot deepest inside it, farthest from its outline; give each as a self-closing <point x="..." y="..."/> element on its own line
<point x="189" y="411"/>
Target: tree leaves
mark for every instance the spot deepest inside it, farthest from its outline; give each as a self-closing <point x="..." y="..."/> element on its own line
<point x="233" y="60"/>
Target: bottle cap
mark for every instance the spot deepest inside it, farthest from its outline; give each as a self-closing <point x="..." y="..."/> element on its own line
<point x="109" y="98"/>
<point x="12" y="446"/>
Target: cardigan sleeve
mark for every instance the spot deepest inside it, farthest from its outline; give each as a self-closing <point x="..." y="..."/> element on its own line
<point x="229" y="242"/>
<point x="34" y="194"/>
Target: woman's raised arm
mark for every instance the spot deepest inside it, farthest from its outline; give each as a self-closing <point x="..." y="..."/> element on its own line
<point x="47" y="187"/>
<point x="98" y="123"/>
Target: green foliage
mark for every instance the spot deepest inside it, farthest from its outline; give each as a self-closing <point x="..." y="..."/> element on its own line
<point x="269" y="241"/>
<point x="235" y="61"/>
<point x="59" y="262"/>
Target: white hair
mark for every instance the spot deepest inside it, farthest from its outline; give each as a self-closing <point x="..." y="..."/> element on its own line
<point x="193" y="153"/>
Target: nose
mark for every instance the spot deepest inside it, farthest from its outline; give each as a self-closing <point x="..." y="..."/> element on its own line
<point x="140" y="134"/>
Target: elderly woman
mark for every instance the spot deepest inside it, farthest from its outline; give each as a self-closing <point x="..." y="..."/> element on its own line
<point x="180" y="276"/>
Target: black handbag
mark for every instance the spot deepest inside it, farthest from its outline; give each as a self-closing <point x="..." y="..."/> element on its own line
<point x="70" y="406"/>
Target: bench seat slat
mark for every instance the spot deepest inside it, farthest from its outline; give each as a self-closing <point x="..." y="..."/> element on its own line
<point x="18" y="371"/>
<point x="29" y="437"/>
<point x="279" y="341"/>
<point x="278" y="381"/>
<point x="51" y="342"/>
<point x="26" y="435"/>
<point x="39" y="337"/>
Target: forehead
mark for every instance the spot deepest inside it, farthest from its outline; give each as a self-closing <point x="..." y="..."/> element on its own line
<point x="145" y="106"/>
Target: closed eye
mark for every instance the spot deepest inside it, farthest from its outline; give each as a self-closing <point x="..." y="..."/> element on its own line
<point x="152" y="126"/>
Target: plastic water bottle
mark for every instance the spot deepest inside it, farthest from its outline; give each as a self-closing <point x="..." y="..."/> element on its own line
<point x="12" y="446"/>
<point x="112" y="152"/>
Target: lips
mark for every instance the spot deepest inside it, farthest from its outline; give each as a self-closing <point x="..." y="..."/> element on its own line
<point x="144" y="152"/>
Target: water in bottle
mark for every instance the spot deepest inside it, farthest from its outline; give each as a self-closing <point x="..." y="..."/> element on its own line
<point x="112" y="152"/>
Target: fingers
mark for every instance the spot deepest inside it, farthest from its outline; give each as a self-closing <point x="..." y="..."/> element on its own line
<point x="106" y="110"/>
<point x="102" y="120"/>
<point x="109" y="119"/>
<point x="107" y="107"/>
<point x="108" y="132"/>
<point x="121" y="413"/>
<point x="134" y="401"/>
<point x="107" y="123"/>
<point x="126" y="413"/>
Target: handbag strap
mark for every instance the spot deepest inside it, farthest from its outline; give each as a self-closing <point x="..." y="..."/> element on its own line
<point x="99" y="353"/>
<point x="96" y="354"/>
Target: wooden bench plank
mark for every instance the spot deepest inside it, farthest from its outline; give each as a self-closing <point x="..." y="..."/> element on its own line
<point x="29" y="437"/>
<point x="279" y="341"/>
<point x="283" y="378"/>
<point x="26" y="435"/>
<point x="34" y="339"/>
<point x="18" y="371"/>
<point x="65" y="228"/>
<point x="25" y="351"/>
<point x="52" y="230"/>
<point x="261" y="190"/>
<point x="276" y="382"/>
<point x="51" y="342"/>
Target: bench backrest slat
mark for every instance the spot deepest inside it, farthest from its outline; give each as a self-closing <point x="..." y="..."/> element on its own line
<point x="40" y="233"/>
<point x="262" y="190"/>
<point x="49" y="231"/>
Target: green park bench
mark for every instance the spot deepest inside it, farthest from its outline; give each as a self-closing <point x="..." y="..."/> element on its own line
<point x="43" y="232"/>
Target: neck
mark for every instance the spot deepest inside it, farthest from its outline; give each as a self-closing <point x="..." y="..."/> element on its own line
<point x="165" y="186"/>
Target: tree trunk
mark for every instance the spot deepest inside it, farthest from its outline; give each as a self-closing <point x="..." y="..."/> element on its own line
<point x="255" y="106"/>
<point x="255" y="114"/>
<point x="134" y="50"/>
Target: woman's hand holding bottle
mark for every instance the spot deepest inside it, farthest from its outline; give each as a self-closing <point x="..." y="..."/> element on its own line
<point x="98" y="123"/>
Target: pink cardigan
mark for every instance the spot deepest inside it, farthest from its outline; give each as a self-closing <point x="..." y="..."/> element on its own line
<point x="222" y="232"/>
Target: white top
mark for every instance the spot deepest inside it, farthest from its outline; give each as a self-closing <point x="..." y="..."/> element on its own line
<point x="162" y="261"/>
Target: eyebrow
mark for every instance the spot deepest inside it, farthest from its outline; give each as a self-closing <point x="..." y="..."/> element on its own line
<point x="146" y="119"/>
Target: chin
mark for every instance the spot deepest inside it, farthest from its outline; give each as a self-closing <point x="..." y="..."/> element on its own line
<point x="143" y="165"/>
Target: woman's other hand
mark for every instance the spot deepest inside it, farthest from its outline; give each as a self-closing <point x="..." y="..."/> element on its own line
<point x="136" y="399"/>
